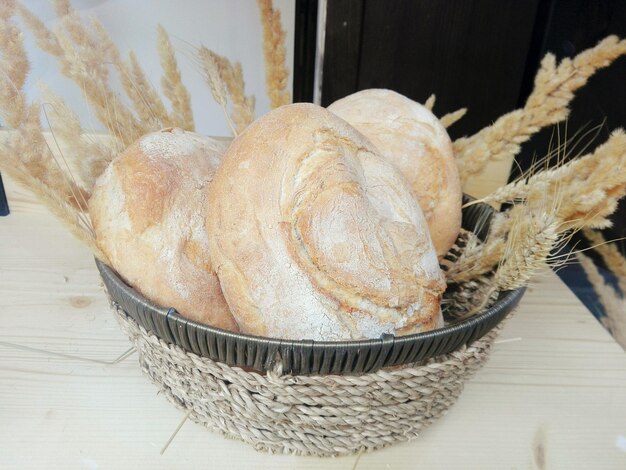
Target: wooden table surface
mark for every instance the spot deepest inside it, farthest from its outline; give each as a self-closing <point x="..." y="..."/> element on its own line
<point x="553" y="395"/>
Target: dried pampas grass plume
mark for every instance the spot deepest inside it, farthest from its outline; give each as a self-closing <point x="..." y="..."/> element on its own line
<point x="225" y="80"/>
<point x="242" y="112"/>
<point x="429" y="104"/>
<point x="13" y="68"/>
<point x="547" y="104"/>
<point x="88" y="154"/>
<point x="24" y="152"/>
<point x="46" y="40"/>
<point x="172" y="84"/>
<point x="26" y="143"/>
<point x="276" y="70"/>
<point x="210" y="65"/>
<point x="85" y="54"/>
<point x="448" y="119"/>
<point x="84" y="61"/>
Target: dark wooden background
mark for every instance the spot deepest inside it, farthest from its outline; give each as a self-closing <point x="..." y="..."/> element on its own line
<point x="479" y="54"/>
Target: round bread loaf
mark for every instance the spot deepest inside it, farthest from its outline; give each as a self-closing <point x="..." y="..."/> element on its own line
<point x="315" y="236"/>
<point x="148" y="211"/>
<point x="414" y="140"/>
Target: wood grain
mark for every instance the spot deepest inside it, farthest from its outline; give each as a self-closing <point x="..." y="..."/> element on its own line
<point x="419" y="47"/>
<point x="552" y="398"/>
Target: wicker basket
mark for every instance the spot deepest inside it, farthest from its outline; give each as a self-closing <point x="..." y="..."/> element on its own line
<point x="306" y="397"/>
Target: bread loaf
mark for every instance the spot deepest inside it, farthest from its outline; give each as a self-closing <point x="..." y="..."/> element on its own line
<point x="315" y="236"/>
<point x="148" y="210"/>
<point x="413" y="139"/>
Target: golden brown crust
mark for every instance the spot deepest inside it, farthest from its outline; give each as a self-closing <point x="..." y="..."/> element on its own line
<point x="315" y="236"/>
<point x="146" y="195"/>
<point x="414" y="140"/>
<point x="148" y="212"/>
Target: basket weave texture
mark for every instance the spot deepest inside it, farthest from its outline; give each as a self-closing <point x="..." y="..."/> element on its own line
<point x="307" y="415"/>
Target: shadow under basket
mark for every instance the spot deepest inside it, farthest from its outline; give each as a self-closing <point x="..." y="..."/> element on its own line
<point x="309" y="397"/>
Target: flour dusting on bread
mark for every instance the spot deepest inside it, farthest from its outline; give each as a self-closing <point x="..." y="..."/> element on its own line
<point x="305" y="243"/>
<point x="149" y="210"/>
<point x="411" y="137"/>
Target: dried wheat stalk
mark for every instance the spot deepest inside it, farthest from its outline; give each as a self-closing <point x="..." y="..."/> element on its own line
<point x="588" y="187"/>
<point x="276" y="70"/>
<point x="172" y="85"/>
<point x="528" y="247"/>
<point x="529" y="242"/>
<point x="476" y="258"/>
<point x="511" y="231"/>
<point x="448" y="119"/>
<point x="614" y="304"/>
<point x="547" y="104"/>
<point x="611" y="255"/>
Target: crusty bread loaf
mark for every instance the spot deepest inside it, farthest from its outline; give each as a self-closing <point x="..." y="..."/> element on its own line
<point x="412" y="137"/>
<point x="315" y="236"/>
<point x="148" y="210"/>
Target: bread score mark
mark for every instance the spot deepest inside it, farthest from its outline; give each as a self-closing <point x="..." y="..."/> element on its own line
<point x="324" y="170"/>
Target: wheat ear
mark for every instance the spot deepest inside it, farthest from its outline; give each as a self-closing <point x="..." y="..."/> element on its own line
<point x="589" y="186"/>
<point x="529" y="242"/>
<point x="547" y="104"/>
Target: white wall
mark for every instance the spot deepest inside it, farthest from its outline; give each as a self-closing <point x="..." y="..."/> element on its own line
<point x="229" y="27"/>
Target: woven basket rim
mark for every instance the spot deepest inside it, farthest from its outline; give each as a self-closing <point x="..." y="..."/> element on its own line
<point x="505" y="299"/>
